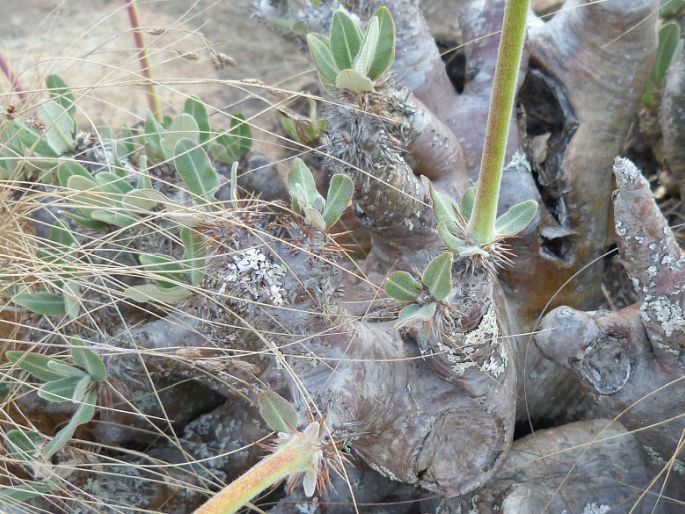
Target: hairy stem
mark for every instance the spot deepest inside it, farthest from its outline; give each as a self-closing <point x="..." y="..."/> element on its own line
<point x="152" y="100"/>
<point x="482" y="224"/>
<point x="295" y="456"/>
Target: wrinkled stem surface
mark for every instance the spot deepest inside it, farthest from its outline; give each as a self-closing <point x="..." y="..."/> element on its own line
<point x="482" y="224"/>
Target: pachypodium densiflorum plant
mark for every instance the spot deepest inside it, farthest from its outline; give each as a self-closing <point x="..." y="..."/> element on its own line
<point x="319" y="212"/>
<point x="304" y="130"/>
<point x="299" y="456"/>
<point x="350" y="58"/>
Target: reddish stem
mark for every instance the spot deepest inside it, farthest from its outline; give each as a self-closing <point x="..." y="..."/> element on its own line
<point x="14" y="81"/>
<point x="152" y="100"/>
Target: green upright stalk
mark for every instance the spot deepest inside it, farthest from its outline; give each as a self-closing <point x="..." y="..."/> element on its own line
<point x="482" y="223"/>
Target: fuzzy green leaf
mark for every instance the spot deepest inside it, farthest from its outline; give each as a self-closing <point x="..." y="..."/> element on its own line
<point x="438" y="276"/>
<point x="144" y="179"/>
<point x="41" y="302"/>
<point x="193" y="165"/>
<point x="86" y="221"/>
<point x="339" y="197"/>
<point x="155" y="293"/>
<point x="385" y="48"/>
<point x="112" y="183"/>
<point x="34" y="363"/>
<point x="414" y="313"/>
<point x="143" y="199"/>
<point x="24" y="492"/>
<point x="59" y="127"/>
<point x="67" y="169"/>
<point x="114" y="217"/>
<point x="65" y="370"/>
<point x="193" y="255"/>
<point x="353" y="81"/>
<point x="184" y="126"/>
<point x="368" y="48"/>
<point x="444" y="208"/>
<point x="153" y="139"/>
<point x="61" y="94"/>
<point x="345" y="39"/>
<point x="449" y="239"/>
<point x="313" y="218"/>
<point x="60" y="390"/>
<point x="23" y="443"/>
<point x="83" y="414"/>
<point x="197" y="110"/>
<point x="671" y="8"/>
<point x="161" y="266"/>
<point x="62" y="236"/>
<point x="516" y="219"/>
<point x="306" y="194"/>
<point x="72" y="299"/>
<point x="277" y="412"/>
<point x="670" y="45"/>
<point x="467" y="201"/>
<point x="322" y="56"/>
<point x="401" y="286"/>
<point x="88" y="360"/>
<point x="241" y="133"/>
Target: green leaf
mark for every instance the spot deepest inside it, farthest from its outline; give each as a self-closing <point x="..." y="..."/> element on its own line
<point x="313" y="218"/>
<point x="42" y="302"/>
<point x="144" y="180"/>
<point x="4" y="391"/>
<point x="83" y="414"/>
<point x="91" y="195"/>
<point x="438" y="276"/>
<point x="345" y="39"/>
<point x="23" y="443"/>
<point x="467" y="201"/>
<point x="194" y="255"/>
<point x="155" y="293"/>
<point x="61" y="94"/>
<point x="162" y="266"/>
<point x="143" y="199"/>
<point x="385" y="48"/>
<point x="367" y="51"/>
<point x="671" y="8"/>
<point x="277" y="412"/>
<point x="65" y="370"/>
<point x="516" y="219"/>
<point x="414" y="313"/>
<point x="61" y="235"/>
<point x="193" y="165"/>
<point x="322" y="56"/>
<point x="444" y="208"/>
<point x="184" y="126"/>
<point x="60" y="390"/>
<point x="21" y="138"/>
<point x="72" y="299"/>
<point x="34" y="363"/>
<point x="67" y="169"/>
<point x="124" y="147"/>
<point x="24" y="492"/>
<point x="451" y="241"/>
<point x="81" y="390"/>
<point x="339" y="197"/>
<point x="153" y="139"/>
<point x="353" y="81"/>
<point x="196" y="109"/>
<point x="85" y="221"/>
<point x="112" y="183"/>
<point x="401" y="286"/>
<point x="88" y="360"/>
<point x="59" y="127"/>
<point x="670" y="45"/>
<point x="306" y="194"/>
<point x="242" y="134"/>
<point x="114" y="217"/>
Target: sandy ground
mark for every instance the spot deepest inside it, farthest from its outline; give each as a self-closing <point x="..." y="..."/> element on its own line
<point x="89" y="43"/>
